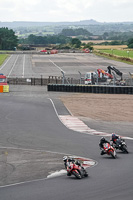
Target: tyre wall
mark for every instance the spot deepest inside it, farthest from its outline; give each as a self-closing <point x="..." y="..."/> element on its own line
<point x="90" y="89"/>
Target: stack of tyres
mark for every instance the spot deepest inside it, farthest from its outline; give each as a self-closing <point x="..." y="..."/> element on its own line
<point x="49" y="87"/>
<point x="59" y="88"/>
<point x="80" y="88"/>
<point x="119" y="90"/>
<point x="111" y="90"/>
<point x="68" y="88"/>
<point x="54" y="87"/>
<point x="71" y="88"/>
<point x="130" y="90"/>
<point x="100" y="89"/>
<point x="83" y="88"/>
<point x="126" y="90"/>
<point x="65" y="88"/>
<point x="107" y="90"/>
<point x="76" y="88"/>
<point x="97" y="89"/>
<point x="94" y="89"/>
<point x="86" y="88"/>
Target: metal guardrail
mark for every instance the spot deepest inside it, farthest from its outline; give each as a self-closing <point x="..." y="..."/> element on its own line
<point x="34" y="81"/>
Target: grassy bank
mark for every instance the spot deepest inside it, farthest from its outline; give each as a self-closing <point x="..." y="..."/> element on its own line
<point x="3" y="58"/>
<point x="116" y="52"/>
<point x="115" y="57"/>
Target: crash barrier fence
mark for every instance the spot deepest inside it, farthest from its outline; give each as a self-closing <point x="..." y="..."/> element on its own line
<point x="52" y="80"/>
<point x="34" y="81"/>
<point x="90" y="89"/>
<point x="42" y="81"/>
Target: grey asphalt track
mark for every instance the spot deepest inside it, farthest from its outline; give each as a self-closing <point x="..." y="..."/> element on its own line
<point x="34" y="65"/>
<point x="28" y="120"/>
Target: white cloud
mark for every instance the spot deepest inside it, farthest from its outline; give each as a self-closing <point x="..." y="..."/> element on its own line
<point x="74" y="5"/>
<point x="66" y="10"/>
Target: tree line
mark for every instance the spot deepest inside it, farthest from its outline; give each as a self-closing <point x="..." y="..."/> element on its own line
<point x="8" y="39"/>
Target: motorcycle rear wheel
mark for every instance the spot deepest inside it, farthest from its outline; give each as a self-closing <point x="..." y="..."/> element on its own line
<point x="86" y="175"/>
<point x="124" y="149"/>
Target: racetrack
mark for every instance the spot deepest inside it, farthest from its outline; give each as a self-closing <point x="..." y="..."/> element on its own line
<point x="34" y="65"/>
<point x="28" y="121"/>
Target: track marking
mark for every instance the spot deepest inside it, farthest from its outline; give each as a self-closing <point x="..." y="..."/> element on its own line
<point x="56" y="66"/>
<point x="23" y="66"/>
<point x="76" y="124"/>
<point x="87" y="162"/>
<point x="13" y="66"/>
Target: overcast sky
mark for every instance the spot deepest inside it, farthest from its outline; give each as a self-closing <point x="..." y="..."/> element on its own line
<point x="66" y="10"/>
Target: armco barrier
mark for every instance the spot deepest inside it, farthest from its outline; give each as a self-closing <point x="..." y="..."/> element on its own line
<point x="90" y="89"/>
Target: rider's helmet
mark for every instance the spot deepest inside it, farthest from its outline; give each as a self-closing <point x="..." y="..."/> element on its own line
<point x="65" y="158"/>
<point x="102" y="139"/>
<point x="78" y="163"/>
<point x="113" y="135"/>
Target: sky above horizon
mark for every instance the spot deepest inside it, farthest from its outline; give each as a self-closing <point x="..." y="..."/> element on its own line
<point x="66" y="10"/>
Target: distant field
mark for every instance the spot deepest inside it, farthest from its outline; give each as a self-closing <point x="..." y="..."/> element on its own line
<point x="95" y="41"/>
<point x="2" y="58"/>
<point x="25" y="35"/>
<point x="98" y="47"/>
<point x="123" y="53"/>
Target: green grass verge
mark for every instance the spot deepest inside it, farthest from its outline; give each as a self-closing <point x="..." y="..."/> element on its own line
<point x="112" y="58"/>
<point x="123" y="53"/>
<point x="3" y="58"/>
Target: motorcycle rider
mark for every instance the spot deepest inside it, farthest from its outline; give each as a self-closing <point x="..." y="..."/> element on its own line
<point x="67" y="161"/>
<point x="102" y="142"/>
<point x="114" y="138"/>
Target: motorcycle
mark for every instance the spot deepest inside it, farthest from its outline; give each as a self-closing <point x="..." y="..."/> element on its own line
<point x="121" y="145"/>
<point x="109" y="150"/>
<point x="77" y="170"/>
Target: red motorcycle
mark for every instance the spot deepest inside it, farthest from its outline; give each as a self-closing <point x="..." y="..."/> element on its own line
<point x="75" y="169"/>
<point x="109" y="150"/>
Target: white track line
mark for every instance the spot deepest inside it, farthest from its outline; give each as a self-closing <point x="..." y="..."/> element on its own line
<point x="56" y="66"/>
<point x="23" y="66"/>
<point x="13" y="66"/>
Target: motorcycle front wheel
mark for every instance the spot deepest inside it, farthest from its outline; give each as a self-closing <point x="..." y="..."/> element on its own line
<point x="77" y="175"/>
<point x="113" y="154"/>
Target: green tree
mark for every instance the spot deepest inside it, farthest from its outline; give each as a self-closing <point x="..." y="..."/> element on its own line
<point x="75" y="32"/>
<point x="130" y="43"/>
<point x="75" y="42"/>
<point x="8" y="39"/>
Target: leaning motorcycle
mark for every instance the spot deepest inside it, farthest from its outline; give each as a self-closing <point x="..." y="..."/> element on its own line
<point x="76" y="170"/>
<point x="121" y="145"/>
<point x="109" y="150"/>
